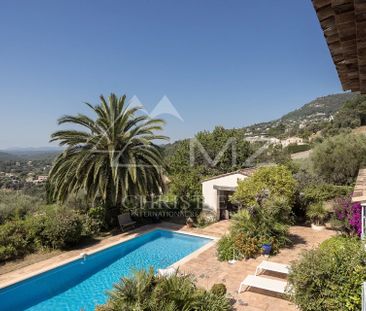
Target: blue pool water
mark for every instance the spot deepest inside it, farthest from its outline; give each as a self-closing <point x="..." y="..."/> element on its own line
<point x="82" y="284"/>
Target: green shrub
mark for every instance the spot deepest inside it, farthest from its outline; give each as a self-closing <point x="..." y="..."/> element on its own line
<point x="63" y="229"/>
<point x="226" y="249"/>
<point x="336" y="243"/>
<point x="267" y="198"/>
<point x="338" y="159"/>
<point x="205" y="218"/>
<point x="209" y="301"/>
<point x="236" y="246"/>
<point x="51" y="226"/>
<point x="297" y="148"/>
<point x="261" y="225"/>
<point x="278" y="209"/>
<point x="219" y="289"/>
<point x="317" y="213"/>
<point x="14" y="241"/>
<point x="324" y="192"/>
<point x="35" y="226"/>
<point x="93" y="221"/>
<point x="56" y="227"/>
<point x="16" y="205"/>
<point x="329" y="278"/>
<point x="274" y="181"/>
<point x="93" y="217"/>
<point x="90" y="226"/>
<point x="247" y="246"/>
<point x="148" y="292"/>
<point x="249" y="231"/>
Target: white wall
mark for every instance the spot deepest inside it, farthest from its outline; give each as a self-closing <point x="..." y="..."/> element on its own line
<point x="210" y="197"/>
<point x="292" y="140"/>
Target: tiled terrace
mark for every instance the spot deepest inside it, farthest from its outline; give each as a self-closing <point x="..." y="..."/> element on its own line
<point x="206" y="268"/>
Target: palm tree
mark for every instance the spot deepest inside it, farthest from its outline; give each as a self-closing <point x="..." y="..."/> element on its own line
<point x="147" y="291"/>
<point x="111" y="158"/>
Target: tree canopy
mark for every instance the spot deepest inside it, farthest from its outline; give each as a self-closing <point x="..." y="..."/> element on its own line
<point x="352" y="114"/>
<point x="338" y="159"/>
<point x="273" y="181"/>
<point x="112" y="157"/>
<point x="208" y="154"/>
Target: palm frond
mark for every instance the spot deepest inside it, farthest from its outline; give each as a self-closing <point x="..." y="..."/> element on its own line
<point x="114" y="156"/>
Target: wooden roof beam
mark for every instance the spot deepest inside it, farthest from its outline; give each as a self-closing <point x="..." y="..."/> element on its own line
<point x="360" y="16"/>
<point x="344" y="26"/>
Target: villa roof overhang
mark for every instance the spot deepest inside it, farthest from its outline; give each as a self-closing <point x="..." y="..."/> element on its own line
<point x="344" y="26"/>
<point x="224" y="188"/>
<point x="359" y="192"/>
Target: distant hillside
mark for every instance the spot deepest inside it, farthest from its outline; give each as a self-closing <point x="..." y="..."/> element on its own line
<point x="310" y="117"/>
<point x="326" y="105"/>
<point x="41" y="155"/>
<point x="4" y="156"/>
<point x="30" y="154"/>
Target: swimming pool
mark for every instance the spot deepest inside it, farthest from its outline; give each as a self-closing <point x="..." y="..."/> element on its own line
<point x="82" y="284"/>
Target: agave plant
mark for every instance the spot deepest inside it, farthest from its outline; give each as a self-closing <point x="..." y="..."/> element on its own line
<point x="112" y="157"/>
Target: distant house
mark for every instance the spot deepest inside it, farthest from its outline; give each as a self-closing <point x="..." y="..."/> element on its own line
<point x="40" y="179"/>
<point x="217" y="190"/>
<point x="292" y="141"/>
<point x="274" y="140"/>
<point x="29" y="179"/>
<point x="261" y="138"/>
<point x="302" y="125"/>
<point x="253" y="139"/>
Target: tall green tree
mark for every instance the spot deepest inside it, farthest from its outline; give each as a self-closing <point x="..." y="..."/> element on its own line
<point x="111" y="157"/>
<point x="338" y="159"/>
<point x="352" y="114"/>
<point x="208" y="154"/>
<point x="273" y="181"/>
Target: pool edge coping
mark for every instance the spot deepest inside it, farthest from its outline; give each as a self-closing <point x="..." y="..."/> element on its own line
<point x="112" y="244"/>
<point x="198" y="251"/>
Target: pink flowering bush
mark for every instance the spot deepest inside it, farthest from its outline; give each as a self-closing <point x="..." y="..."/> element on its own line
<point x="355" y="218"/>
<point x="349" y="215"/>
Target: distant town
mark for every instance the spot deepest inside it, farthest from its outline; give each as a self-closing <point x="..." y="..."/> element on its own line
<point x="16" y="175"/>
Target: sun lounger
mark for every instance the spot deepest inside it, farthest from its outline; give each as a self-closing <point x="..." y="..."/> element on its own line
<point x="125" y="221"/>
<point x="272" y="266"/>
<point x="271" y="285"/>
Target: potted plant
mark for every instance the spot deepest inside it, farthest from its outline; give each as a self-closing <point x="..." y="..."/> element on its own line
<point x="266" y="247"/>
<point x="189" y="222"/>
<point x="317" y="214"/>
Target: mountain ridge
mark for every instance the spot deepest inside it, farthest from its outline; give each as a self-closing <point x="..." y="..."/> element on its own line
<point x="314" y="112"/>
<point x="317" y="110"/>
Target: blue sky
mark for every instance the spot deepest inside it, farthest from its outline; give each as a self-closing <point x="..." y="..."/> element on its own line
<point x="230" y="63"/>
